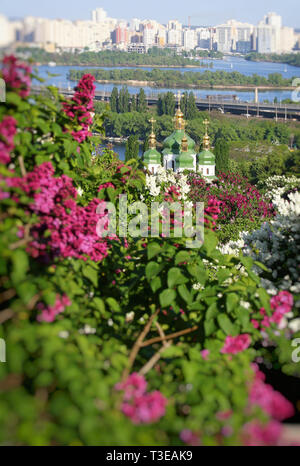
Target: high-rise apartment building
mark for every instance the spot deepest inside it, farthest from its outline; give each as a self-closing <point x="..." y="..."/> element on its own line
<point x="189" y="39"/>
<point x="234" y="36"/>
<point x="149" y="35"/>
<point x="6" y="32"/>
<point x="288" y="39"/>
<point x="120" y="35"/>
<point x="99" y="15"/>
<point x="203" y="37"/>
<point x="174" y="37"/>
<point x="174" y="24"/>
<point x="269" y="34"/>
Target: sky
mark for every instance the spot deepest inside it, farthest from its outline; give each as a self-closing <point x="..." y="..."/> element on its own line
<point x="202" y="13"/>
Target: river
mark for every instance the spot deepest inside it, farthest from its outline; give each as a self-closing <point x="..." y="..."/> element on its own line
<point x="227" y="64"/>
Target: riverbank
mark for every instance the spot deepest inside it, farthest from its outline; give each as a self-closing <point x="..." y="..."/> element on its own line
<point x="233" y="87"/>
<point x="130" y="65"/>
<point x="285" y="58"/>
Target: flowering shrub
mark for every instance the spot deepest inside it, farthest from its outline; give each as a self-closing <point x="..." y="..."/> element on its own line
<point x="133" y="341"/>
<point x="241" y="204"/>
<point x="7" y="133"/>
<point x="276" y="245"/>
<point x="81" y="106"/>
<point x="139" y="406"/>
<point x="17" y="75"/>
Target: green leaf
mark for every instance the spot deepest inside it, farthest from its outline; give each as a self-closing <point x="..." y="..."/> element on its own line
<point x="113" y="304"/>
<point x="172" y="352"/>
<point x="212" y="312"/>
<point x="99" y="303"/>
<point x="182" y="256"/>
<point x="13" y="98"/>
<point x="91" y="273"/>
<point x="111" y="194"/>
<point x="232" y="301"/>
<point x="185" y="294"/>
<point x="152" y="250"/>
<point x="20" y="265"/>
<point x="264" y="298"/>
<point x="26" y="291"/>
<point x="261" y="266"/>
<point x="225" y="324"/>
<point x="155" y="284"/>
<point x="152" y="270"/>
<point x="210" y="242"/>
<point x="167" y="297"/>
<point x="49" y="297"/>
<point x="209" y="327"/>
<point x="175" y="277"/>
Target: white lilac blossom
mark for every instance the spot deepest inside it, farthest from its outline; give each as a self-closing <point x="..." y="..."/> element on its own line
<point x="129" y="317"/>
<point x="87" y="330"/>
<point x="276" y="245"/>
<point x="164" y="179"/>
<point x="80" y="191"/>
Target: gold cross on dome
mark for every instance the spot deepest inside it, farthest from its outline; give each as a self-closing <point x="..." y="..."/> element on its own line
<point x="206" y="123"/>
<point x="152" y="121"/>
<point x="178" y="97"/>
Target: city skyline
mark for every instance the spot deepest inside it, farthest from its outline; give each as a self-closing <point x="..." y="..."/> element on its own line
<point x="203" y="15"/>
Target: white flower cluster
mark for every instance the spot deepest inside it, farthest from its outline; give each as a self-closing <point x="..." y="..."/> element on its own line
<point x="277" y="185"/>
<point x="163" y="179"/>
<point x="276" y="245"/>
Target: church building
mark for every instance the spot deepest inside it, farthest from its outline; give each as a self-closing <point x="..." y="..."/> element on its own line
<point x="178" y="152"/>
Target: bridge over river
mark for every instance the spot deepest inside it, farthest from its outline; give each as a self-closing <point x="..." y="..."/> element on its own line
<point x="219" y="103"/>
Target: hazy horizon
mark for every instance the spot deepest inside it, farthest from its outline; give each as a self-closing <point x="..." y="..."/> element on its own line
<point x="157" y="10"/>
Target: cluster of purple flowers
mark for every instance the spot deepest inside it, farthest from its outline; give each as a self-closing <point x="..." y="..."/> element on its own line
<point x="49" y="313"/>
<point x="17" y="75"/>
<point x="139" y="406"/>
<point x="81" y="106"/>
<point x="281" y="304"/>
<point x="8" y="129"/>
<point x="71" y="229"/>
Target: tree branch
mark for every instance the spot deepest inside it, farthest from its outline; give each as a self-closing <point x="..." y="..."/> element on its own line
<point x="138" y="345"/>
<point x="22" y="166"/>
<point x="155" y="358"/>
<point x="168" y="337"/>
<point x="6" y="315"/>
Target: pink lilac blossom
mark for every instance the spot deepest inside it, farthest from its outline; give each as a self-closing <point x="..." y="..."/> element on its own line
<point x="105" y="186"/>
<point x="135" y="385"/>
<point x="256" y="433"/>
<point x="205" y="353"/>
<point x="281" y="304"/>
<point x="236" y="344"/>
<point x="237" y="197"/>
<point x="189" y="438"/>
<point x="145" y="409"/>
<point x="49" y="313"/>
<point x="81" y="106"/>
<point x="72" y="228"/>
<point x="139" y="406"/>
<point x="17" y="75"/>
<point x="8" y="129"/>
<point x="270" y="400"/>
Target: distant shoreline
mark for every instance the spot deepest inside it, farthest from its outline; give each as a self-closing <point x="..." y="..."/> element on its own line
<point x="250" y="87"/>
<point x="128" y="65"/>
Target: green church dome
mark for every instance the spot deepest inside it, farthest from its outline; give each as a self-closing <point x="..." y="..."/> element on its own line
<point x="152" y="156"/>
<point x="206" y="158"/>
<point x="185" y="160"/>
<point x="172" y="144"/>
